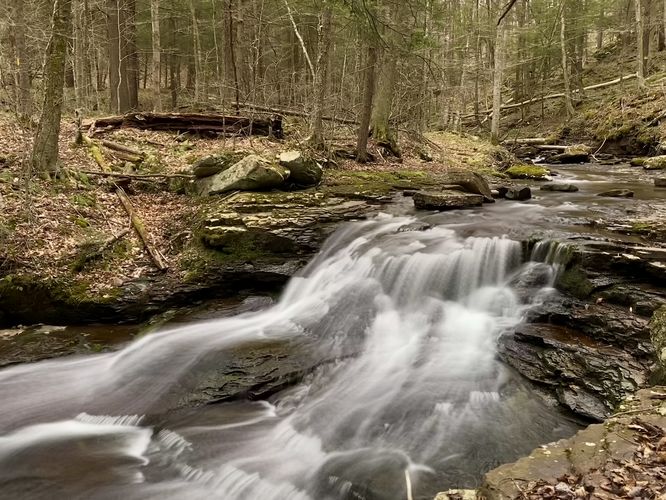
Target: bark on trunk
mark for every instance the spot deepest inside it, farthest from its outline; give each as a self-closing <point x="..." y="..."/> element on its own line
<point x="45" y="148"/>
<point x="156" y="56"/>
<point x="640" y="70"/>
<point x="321" y="77"/>
<point x="123" y="70"/>
<point x="22" y="72"/>
<point x="198" y="66"/>
<point x="568" y="102"/>
<point x="366" y="106"/>
<point x="497" y="84"/>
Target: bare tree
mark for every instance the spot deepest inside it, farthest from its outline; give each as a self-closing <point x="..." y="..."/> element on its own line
<point x="157" y="53"/>
<point x="366" y="104"/>
<point x="22" y="72"/>
<point x="324" y="31"/>
<point x="45" y="148"/>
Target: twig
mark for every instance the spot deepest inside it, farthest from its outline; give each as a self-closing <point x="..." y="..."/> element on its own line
<point x="137" y="176"/>
<point x="408" y="483"/>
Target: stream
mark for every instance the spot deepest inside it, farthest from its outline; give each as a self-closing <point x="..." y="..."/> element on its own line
<point x="402" y="392"/>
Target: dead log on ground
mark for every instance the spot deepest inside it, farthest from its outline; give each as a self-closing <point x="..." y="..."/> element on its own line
<point x="123" y="152"/>
<point x="197" y="123"/>
<point x="137" y="223"/>
<point x="137" y="176"/>
<point x="528" y="141"/>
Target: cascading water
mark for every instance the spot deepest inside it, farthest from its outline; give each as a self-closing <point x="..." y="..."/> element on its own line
<point x="407" y="390"/>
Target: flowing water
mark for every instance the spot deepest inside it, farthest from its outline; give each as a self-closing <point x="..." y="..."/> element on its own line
<point x="407" y="396"/>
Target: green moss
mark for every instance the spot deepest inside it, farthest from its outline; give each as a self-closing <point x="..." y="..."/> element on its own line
<point x="84" y="200"/>
<point x="575" y="282"/>
<point x="527" y="172"/>
<point x="638" y="162"/>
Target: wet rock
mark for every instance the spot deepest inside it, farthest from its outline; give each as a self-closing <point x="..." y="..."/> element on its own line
<point x="502" y="190"/>
<point x="573" y="154"/>
<point x="599" y="446"/>
<point x="446" y="200"/>
<point x="605" y="323"/>
<point x="638" y="298"/>
<point x="534" y="172"/>
<point x="409" y="192"/>
<point x="575" y="367"/>
<point x="660" y="182"/>
<point x="495" y="193"/>
<point x="658" y="338"/>
<point x="519" y="193"/>
<point x="637" y="162"/>
<point x="457" y="495"/>
<point x="618" y="193"/>
<point x="303" y="170"/>
<point x="655" y="163"/>
<point x="564" y="188"/>
<point x="470" y="182"/>
<point x="214" y="164"/>
<point x="252" y="173"/>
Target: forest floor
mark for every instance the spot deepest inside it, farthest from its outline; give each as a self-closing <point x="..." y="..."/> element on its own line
<point x="47" y="227"/>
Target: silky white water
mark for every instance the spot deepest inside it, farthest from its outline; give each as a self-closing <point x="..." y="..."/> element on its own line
<point x="404" y="324"/>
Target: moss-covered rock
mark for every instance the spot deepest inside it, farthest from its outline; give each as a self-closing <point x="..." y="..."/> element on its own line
<point x="252" y="173"/>
<point x="638" y="162"/>
<point x="574" y="281"/>
<point x="534" y="172"/>
<point x="303" y="170"/>
<point x="655" y="163"/>
<point x="214" y="164"/>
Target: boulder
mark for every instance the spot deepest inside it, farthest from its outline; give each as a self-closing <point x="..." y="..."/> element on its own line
<point x="446" y="200"/>
<point x="304" y="171"/>
<point x="658" y="338"/>
<point x="214" y="164"/>
<point x="252" y="173"/>
<point x="518" y="193"/>
<point x="638" y="161"/>
<point x="564" y="188"/>
<point x="579" y="153"/>
<point x="228" y="233"/>
<point x="528" y="172"/>
<point x="470" y="182"/>
<point x="574" y="367"/>
<point x="618" y="193"/>
<point x="655" y="163"/>
<point x="660" y="182"/>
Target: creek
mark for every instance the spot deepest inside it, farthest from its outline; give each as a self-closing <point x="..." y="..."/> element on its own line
<point x="398" y="384"/>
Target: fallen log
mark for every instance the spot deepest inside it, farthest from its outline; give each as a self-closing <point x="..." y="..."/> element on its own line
<point x="558" y="95"/>
<point x="200" y="123"/>
<point x="123" y="152"/>
<point x="137" y="223"/>
<point x="137" y="176"/>
<point x="294" y="112"/>
<point x="551" y="147"/>
<point x="528" y="141"/>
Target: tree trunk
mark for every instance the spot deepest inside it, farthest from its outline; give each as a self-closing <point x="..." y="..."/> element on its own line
<point x="198" y="67"/>
<point x="123" y="70"/>
<point x="157" y="49"/>
<point x="568" y="102"/>
<point x="640" y="70"/>
<point x="497" y="84"/>
<point x="321" y="76"/>
<point x="22" y="71"/>
<point x="45" y="148"/>
<point x="230" y="70"/>
<point x="366" y="105"/>
<point x="380" y="125"/>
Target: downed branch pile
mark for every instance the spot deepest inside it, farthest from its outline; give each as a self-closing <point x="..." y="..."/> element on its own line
<point x="641" y="477"/>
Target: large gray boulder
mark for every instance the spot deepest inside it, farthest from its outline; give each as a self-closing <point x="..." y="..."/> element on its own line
<point x="304" y="171"/>
<point x="214" y="164"/>
<point x="446" y="200"/>
<point x="470" y="182"/>
<point x="252" y="173"/>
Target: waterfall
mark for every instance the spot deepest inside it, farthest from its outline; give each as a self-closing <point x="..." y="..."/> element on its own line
<point x="405" y="324"/>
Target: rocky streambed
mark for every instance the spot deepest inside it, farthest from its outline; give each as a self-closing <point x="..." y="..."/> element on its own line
<point x="585" y="348"/>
